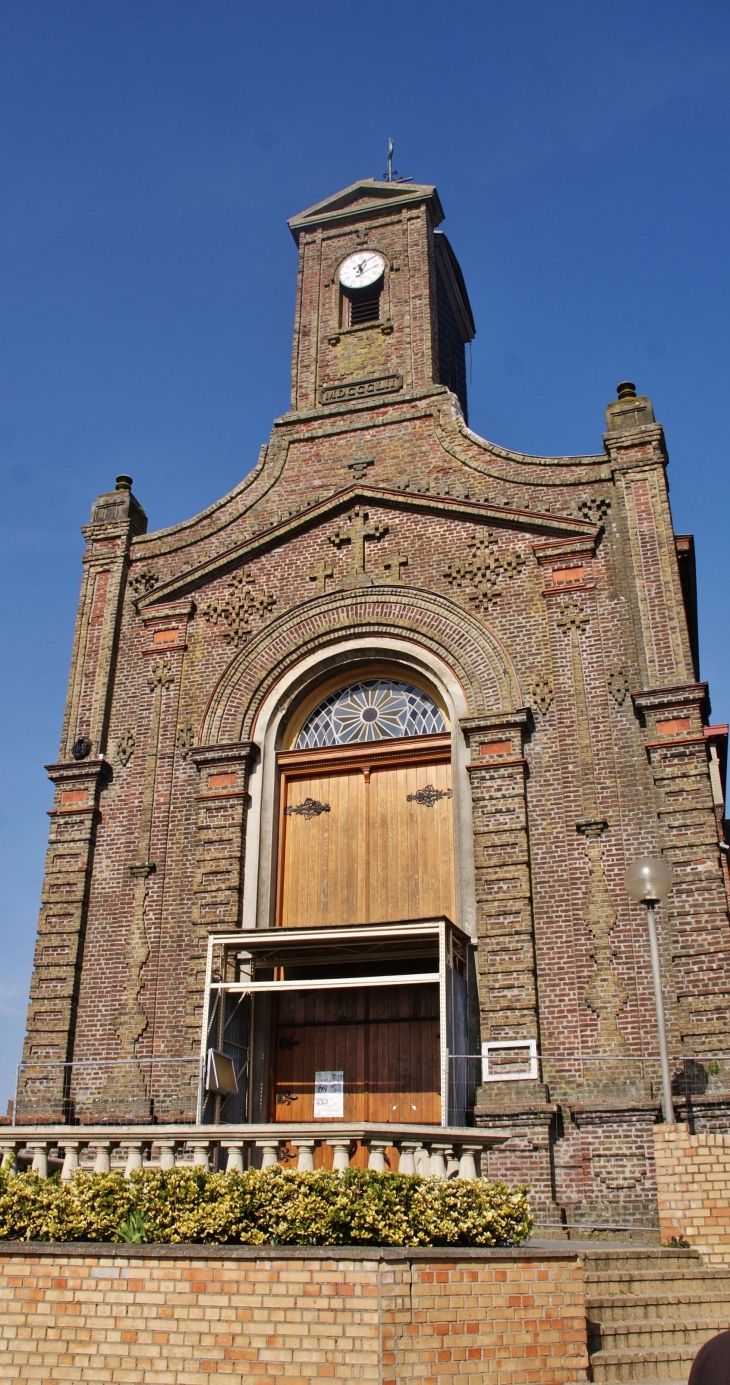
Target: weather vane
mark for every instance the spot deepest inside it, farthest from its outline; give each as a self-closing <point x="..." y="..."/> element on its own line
<point x="392" y="175"/>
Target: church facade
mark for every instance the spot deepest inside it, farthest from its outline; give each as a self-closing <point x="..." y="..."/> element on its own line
<point x="354" y="762"/>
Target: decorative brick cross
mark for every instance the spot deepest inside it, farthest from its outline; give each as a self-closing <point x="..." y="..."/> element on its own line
<point x="359" y="532"/>
<point x="484" y="568"/>
<point x="320" y="574"/>
<point x="236" y="608"/>
<point x="573" y="615"/>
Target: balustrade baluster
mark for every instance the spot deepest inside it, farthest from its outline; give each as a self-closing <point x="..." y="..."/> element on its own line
<point x="467" y="1162"/>
<point x="270" y="1152"/>
<point x="70" y="1159"/>
<point x="236" y="1153"/>
<point x="102" y="1161"/>
<point x="40" y="1157"/>
<point x="305" y="1162"/>
<point x="134" y="1156"/>
<point x="9" y="1149"/>
<point x="341" y="1156"/>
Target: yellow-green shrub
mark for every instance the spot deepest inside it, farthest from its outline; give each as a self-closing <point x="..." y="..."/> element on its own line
<point x="264" y="1207"/>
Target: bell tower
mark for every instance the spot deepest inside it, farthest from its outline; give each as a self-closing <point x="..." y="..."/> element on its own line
<point x="382" y="308"/>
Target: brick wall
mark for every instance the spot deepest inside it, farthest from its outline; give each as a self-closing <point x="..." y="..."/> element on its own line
<point x="693" y="1188"/>
<point x="182" y="1315"/>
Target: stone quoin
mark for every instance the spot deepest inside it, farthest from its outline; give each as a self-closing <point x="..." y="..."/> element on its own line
<point x="367" y="748"/>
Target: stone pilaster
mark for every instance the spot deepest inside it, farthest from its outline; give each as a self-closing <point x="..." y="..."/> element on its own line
<point x="222" y="809"/>
<point x="506" y="946"/>
<point x="44" y="1087"/>
<point x="693" y="924"/>
<point x="80" y="776"/>
<point x="637" y="452"/>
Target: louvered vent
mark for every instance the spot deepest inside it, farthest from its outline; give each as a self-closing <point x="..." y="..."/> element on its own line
<point x="365" y="304"/>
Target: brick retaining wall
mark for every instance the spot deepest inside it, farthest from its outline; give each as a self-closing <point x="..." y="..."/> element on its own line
<point x="185" y="1315"/>
<point x="693" y="1189"/>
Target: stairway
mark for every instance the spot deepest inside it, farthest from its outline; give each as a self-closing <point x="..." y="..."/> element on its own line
<point x="649" y="1310"/>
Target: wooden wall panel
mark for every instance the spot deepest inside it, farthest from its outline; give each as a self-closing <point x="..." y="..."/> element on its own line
<point x="385" y="1042"/>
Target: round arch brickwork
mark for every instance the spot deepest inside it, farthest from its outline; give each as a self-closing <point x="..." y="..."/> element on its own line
<point x="462" y="640"/>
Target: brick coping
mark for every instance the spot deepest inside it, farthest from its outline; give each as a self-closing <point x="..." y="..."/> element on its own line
<point x="104" y="1250"/>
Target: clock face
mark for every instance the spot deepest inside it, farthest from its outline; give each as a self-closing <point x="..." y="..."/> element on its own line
<point x="361" y="269"/>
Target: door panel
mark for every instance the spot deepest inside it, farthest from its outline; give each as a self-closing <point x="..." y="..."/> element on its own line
<point x="323" y="877"/>
<point x="386" y="1043"/>
<point x="374" y="846"/>
<point x="411" y="842"/>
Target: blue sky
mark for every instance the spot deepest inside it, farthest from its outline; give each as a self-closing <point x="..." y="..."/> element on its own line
<point x="150" y="154"/>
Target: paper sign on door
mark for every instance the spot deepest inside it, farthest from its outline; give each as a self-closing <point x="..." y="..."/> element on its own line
<point x="329" y="1094"/>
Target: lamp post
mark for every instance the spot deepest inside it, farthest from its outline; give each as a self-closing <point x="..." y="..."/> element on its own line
<point x="649" y="881"/>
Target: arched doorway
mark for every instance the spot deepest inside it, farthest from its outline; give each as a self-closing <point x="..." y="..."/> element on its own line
<point x="365" y="838"/>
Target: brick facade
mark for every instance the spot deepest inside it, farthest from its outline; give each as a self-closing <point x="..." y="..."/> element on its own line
<point x="548" y="592"/>
<point x="191" y="1315"/>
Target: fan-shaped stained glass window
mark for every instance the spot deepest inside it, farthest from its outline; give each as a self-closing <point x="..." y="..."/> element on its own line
<point x="376" y="710"/>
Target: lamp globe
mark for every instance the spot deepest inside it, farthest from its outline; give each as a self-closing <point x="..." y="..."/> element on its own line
<point x="649" y="880"/>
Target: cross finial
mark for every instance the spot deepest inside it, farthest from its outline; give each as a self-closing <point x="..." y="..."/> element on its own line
<point x="392" y="175"/>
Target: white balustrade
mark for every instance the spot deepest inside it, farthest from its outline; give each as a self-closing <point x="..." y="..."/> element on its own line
<point x="426" y="1152"/>
<point x="452" y="1165"/>
<point x="407" y="1159"/>
<point x="437" y="1163"/>
<point x="423" y="1162"/>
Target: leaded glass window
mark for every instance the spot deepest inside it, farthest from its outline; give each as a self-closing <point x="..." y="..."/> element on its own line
<point x="377" y="709"/>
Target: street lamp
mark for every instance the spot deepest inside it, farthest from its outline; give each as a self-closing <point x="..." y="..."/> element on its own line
<point x="649" y="881"/>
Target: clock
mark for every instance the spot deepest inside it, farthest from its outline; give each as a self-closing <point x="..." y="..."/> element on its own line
<point x="361" y="270"/>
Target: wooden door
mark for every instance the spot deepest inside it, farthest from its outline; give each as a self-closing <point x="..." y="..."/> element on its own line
<point x="385" y="1041"/>
<point x="366" y="837"/>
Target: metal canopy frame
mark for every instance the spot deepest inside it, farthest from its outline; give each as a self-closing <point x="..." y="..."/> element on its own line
<point x="224" y="954"/>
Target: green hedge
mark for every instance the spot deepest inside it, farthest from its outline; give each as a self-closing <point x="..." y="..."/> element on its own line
<point x="263" y="1207"/>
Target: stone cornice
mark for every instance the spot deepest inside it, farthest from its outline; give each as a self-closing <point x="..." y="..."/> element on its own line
<point x="366" y="198"/>
<point x="658" y="698"/>
<point x="622" y="448"/>
<point x="238" y="752"/>
<point x="496" y="721"/>
<point x="75" y="771"/>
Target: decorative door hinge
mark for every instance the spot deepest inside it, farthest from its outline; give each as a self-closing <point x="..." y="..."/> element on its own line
<point x="428" y="796"/>
<point x="310" y="808"/>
